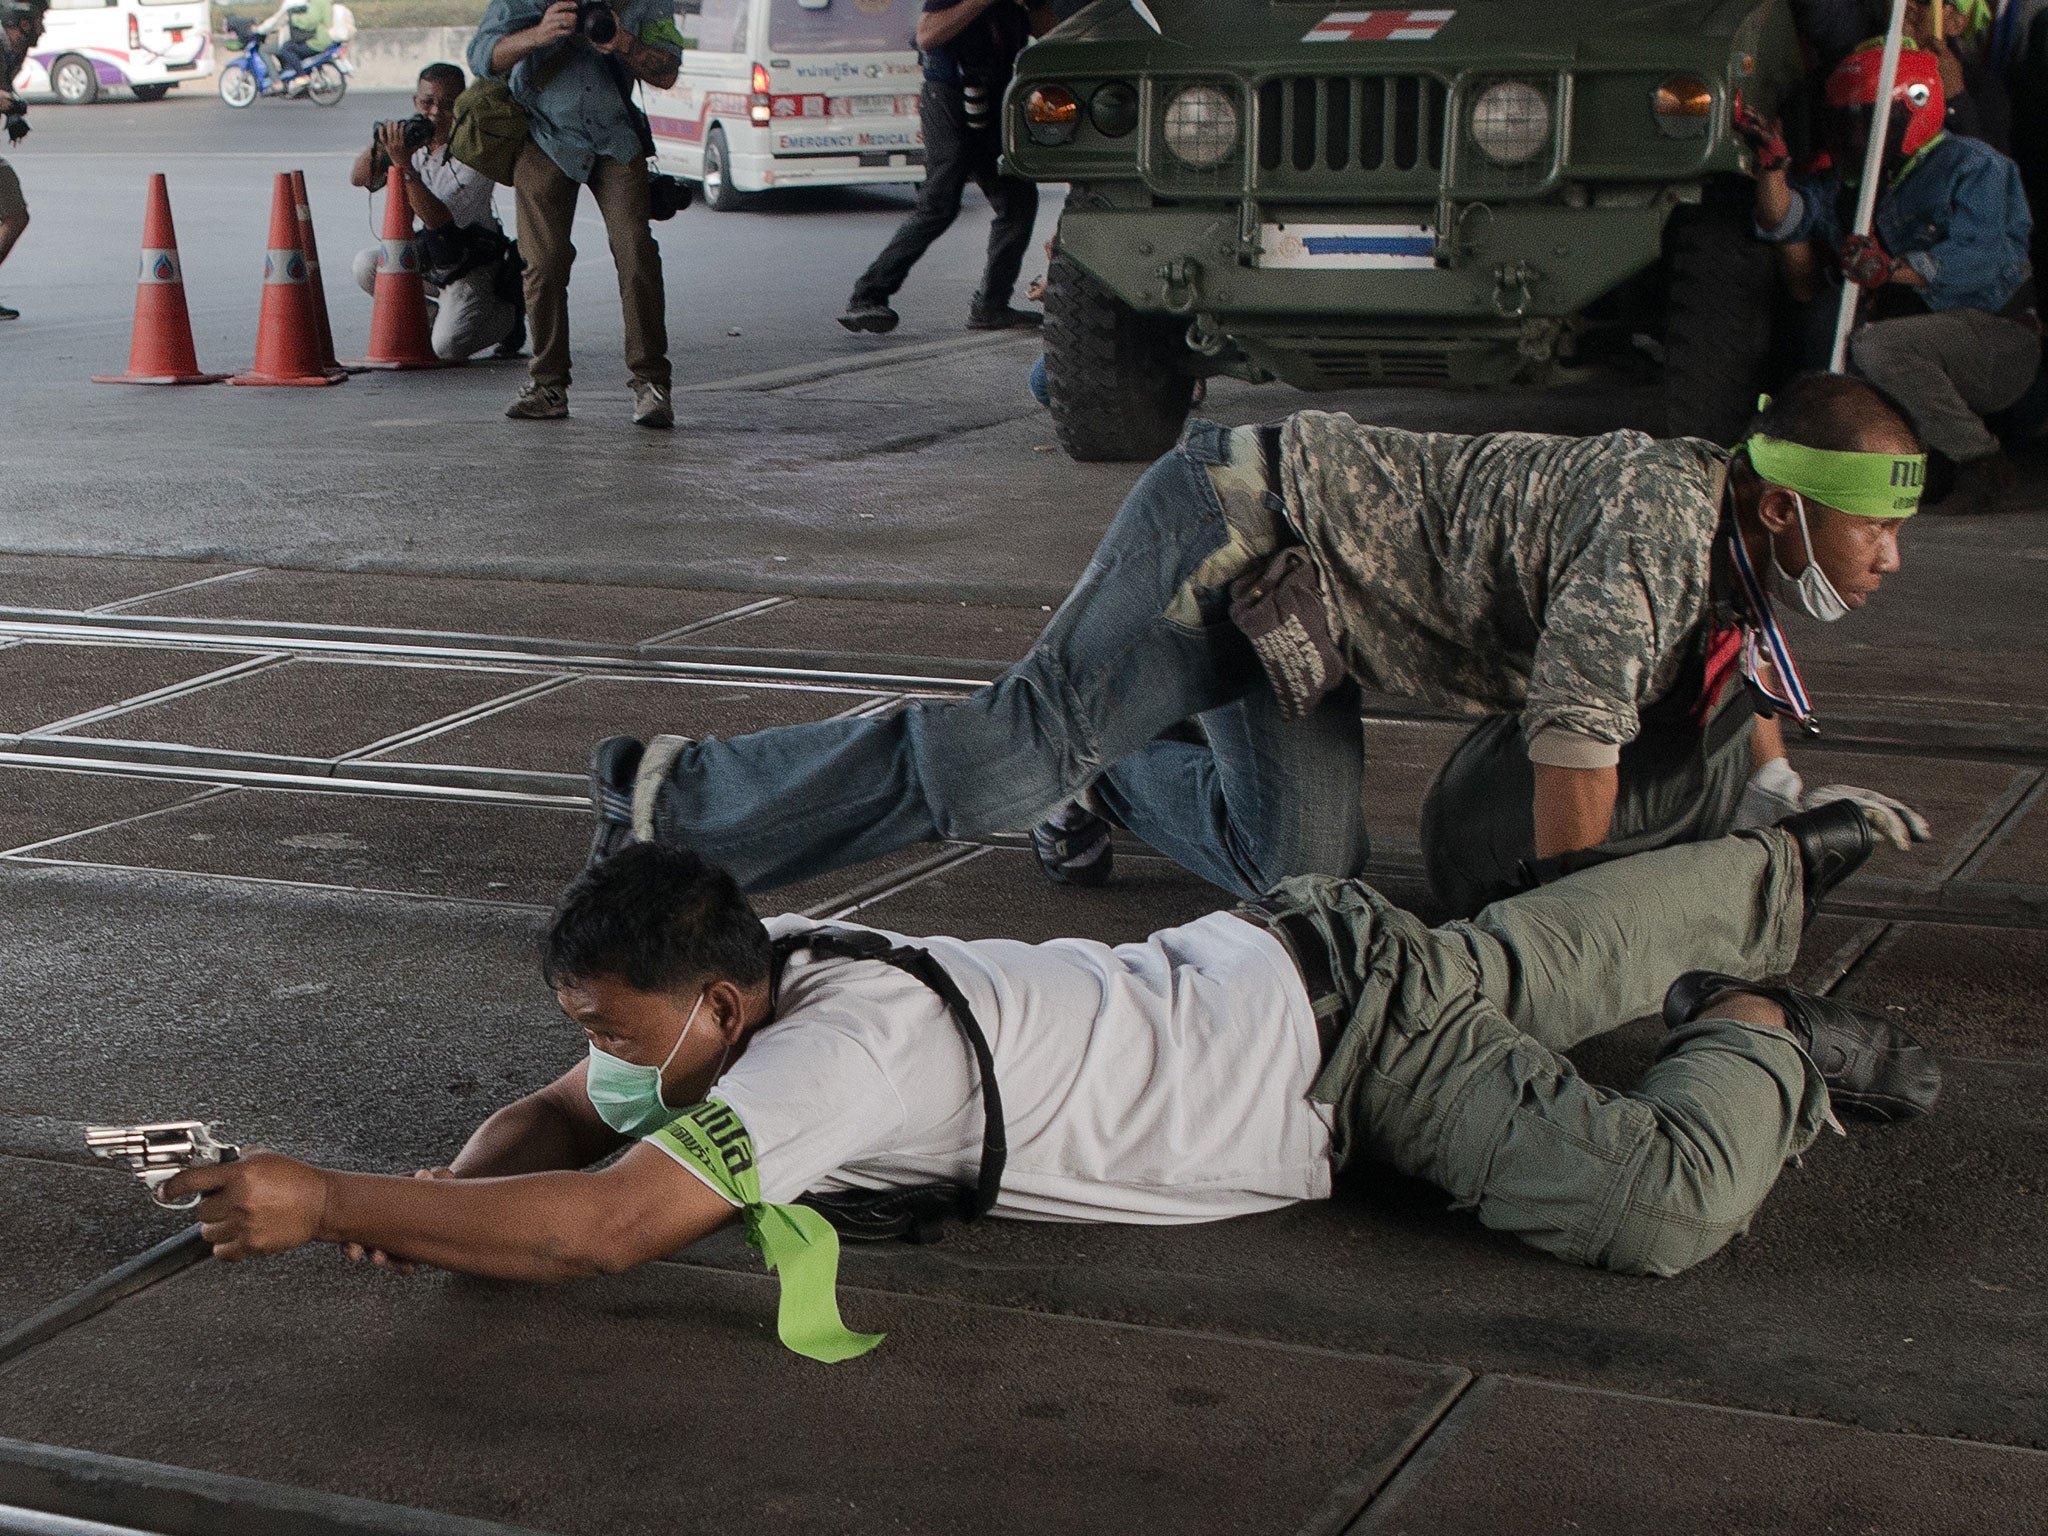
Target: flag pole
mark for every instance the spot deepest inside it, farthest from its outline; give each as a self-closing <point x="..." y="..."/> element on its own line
<point x="1873" y="168"/>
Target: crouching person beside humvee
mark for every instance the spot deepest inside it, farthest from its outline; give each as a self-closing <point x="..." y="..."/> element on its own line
<point x="1218" y="1069"/>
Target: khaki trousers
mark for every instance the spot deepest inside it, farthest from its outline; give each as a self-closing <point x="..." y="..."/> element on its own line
<point x="1445" y="1064"/>
<point x="547" y="207"/>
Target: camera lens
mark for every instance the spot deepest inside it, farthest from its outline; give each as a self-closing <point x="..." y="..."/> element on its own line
<point x="600" y="23"/>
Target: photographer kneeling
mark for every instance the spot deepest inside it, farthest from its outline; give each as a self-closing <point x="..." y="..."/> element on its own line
<point x="470" y="268"/>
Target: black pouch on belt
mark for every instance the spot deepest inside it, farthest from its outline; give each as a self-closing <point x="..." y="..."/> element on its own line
<point x="1279" y="608"/>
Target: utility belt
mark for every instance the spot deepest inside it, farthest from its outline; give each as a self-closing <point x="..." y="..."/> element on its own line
<point x="917" y="1212"/>
<point x="1326" y="974"/>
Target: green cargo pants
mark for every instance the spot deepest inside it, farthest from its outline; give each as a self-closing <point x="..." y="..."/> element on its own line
<point x="1442" y="1048"/>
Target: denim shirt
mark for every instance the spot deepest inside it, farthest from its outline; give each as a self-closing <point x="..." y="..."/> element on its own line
<point x="1958" y="217"/>
<point x="569" y="91"/>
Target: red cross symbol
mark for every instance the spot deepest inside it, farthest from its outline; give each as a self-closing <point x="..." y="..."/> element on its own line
<point x="1378" y="27"/>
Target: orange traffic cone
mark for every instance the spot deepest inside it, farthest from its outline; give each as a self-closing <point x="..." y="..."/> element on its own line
<point x="287" y="338"/>
<point x="160" y="351"/>
<point x="400" y="334"/>
<point x="322" y="327"/>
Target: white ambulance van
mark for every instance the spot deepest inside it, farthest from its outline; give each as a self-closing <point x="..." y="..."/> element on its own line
<point x="89" y="46"/>
<point x="792" y="93"/>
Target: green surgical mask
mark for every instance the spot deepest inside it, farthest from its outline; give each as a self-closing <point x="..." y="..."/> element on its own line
<point x="626" y="1095"/>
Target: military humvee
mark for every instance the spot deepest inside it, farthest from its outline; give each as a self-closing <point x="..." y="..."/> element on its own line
<point x="1490" y="192"/>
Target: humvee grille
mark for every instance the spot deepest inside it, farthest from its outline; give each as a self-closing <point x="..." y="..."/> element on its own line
<point x="1311" y="127"/>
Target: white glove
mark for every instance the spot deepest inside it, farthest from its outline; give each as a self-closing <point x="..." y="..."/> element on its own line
<point x="1776" y="791"/>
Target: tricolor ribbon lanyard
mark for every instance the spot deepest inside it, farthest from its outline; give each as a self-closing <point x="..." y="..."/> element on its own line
<point x="1763" y="643"/>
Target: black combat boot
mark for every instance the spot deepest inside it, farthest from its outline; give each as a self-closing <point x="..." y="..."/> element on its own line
<point x="1872" y="1067"/>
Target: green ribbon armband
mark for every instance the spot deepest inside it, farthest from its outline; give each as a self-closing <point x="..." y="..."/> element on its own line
<point x="793" y="1240"/>
<point x="1861" y="484"/>
<point x="661" y="33"/>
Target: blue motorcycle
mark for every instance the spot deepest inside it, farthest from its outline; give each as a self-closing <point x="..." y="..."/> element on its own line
<point x="320" y="78"/>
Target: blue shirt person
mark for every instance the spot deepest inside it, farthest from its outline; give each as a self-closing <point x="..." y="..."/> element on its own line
<point x="572" y="70"/>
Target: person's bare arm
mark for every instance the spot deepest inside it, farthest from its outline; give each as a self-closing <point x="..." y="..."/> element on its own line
<point x="657" y="66"/>
<point x="1766" y="742"/>
<point x="364" y="173"/>
<point x="937" y="28"/>
<point x="426" y="207"/>
<point x="1573" y="808"/>
<point x="552" y="1128"/>
<point x="556" y="22"/>
<point x="1043" y="18"/>
<point x="537" y="1226"/>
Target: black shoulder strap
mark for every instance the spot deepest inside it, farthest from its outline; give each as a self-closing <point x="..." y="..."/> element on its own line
<point x="911" y="1212"/>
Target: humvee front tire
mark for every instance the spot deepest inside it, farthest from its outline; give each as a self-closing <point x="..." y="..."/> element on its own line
<point x="1717" y="321"/>
<point x="1110" y="371"/>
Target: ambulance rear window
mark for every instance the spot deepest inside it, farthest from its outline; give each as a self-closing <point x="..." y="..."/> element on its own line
<point x="843" y="26"/>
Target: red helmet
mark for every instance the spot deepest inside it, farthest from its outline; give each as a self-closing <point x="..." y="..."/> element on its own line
<point x="1916" y="93"/>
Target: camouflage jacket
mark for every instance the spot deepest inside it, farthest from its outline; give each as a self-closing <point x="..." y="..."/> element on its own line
<point x="1561" y="578"/>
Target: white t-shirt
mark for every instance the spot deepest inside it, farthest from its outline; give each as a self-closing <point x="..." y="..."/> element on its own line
<point x="1158" y="1082"/>
<point x="465" y="191"/>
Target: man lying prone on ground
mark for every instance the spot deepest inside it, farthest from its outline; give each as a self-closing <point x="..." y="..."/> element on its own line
<point x="1221" y="1068"/>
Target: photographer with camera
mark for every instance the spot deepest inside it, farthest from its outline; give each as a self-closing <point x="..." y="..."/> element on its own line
<point x="970" y="50"/>
<point x="21" y="24"/>
<point x="571" y="69"/>
<point x="469" y="266"/>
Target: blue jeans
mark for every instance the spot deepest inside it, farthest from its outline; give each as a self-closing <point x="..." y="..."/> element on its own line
<point x="1143" y="643"/>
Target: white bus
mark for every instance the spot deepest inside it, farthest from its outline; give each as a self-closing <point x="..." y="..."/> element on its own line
<point x="90" y="45"/>
<point x="792" y="93"/>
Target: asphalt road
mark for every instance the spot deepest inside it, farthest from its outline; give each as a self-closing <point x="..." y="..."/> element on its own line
<point x="747" y="291"/>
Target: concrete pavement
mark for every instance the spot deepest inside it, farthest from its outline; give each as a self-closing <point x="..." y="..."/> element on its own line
<point x="281" y="805"/>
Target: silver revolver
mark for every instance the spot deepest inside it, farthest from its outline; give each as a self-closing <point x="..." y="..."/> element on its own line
<point x="156" y="1154"/>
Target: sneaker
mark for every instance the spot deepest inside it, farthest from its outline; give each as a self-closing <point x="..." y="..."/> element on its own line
<point x="1073" y="846"/>
<point x="9" y="314"/>
<point x="539" y="402"/>
<point x="1004" y="319"/>
<point x="870" y="315"/>
<point x="614" y="764"/>
<point x="1872" y="1067"/>
<point x="651" y="406"/>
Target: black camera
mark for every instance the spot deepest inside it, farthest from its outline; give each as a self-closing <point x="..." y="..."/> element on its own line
<point x="419" y="133"/>
<point x="596" y="20"/>
<point x="667" y="196"/>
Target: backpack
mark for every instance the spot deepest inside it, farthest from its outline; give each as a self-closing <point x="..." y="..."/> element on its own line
<point x="490" y="129"/>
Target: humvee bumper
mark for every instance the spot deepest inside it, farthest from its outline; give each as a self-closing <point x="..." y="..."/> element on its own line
<point x="1509" y="261"/>
<point x="1343" y="295"/>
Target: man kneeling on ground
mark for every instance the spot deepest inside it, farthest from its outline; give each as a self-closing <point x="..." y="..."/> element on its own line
<point x="472" y="281"/>
<point x="1222" y="1068"/>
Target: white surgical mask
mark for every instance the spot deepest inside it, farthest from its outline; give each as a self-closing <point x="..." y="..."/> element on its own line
<point x="626" y="1095"/>
<point x="1811" y="592"/>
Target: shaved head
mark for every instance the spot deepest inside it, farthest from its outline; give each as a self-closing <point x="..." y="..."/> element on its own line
<point x="1838" y="413"/>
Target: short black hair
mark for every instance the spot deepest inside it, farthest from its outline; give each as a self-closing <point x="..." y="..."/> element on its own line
<point x="446" y="74"/>
<point x="1834" y="412"/>
<point x="660" y="920"/>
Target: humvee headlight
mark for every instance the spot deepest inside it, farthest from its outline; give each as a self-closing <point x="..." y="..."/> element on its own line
<point x="1683" y="107"/>
<point x="1201" y="126"/>
<point x="1113" y="109"/>
<point x="1511" y="122"/>
<point x="1052" y="115"/>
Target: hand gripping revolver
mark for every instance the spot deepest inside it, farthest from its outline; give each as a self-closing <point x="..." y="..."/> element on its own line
<point x="157" y="1154"/>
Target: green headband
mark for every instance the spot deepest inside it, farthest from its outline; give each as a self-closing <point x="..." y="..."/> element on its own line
<point x="1861" y="484"/>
